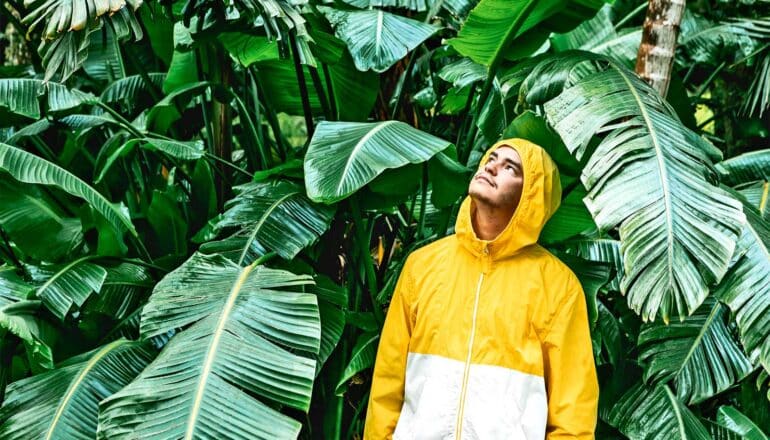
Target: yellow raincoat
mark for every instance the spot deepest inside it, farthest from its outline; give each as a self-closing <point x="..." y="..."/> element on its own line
<point x="488" y="339"/>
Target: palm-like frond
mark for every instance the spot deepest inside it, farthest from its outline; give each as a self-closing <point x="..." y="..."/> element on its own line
<point x="35" y="224"/>
<point x="699" y="354"/>
<point x="63" y="403"/>
<point x="68" y="24"/>
<point x="746" y="288"/>
<point x="20" y="96"/>
<point x="247" y="330"/>
<point x="19" y="317"/>
<point x="344" y="156"/>
<point x="655" y="413"/>
<point x="29" y="168"/>
<point x="377" y="39"/>
<point x="278" y="215"/>
<point x="738" y="424"/>
<point x="66" y="287"/>
<point x="649" y="175"/>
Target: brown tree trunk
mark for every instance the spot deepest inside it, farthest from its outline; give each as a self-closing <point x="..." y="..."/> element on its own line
<point x="655" y="59"/>
<point x="222" y="119"/>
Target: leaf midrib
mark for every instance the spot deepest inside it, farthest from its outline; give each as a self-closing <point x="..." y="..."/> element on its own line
<point x="663" y="177"/>
<point x="262" y="221"/>
<point x="76" y="383"/>
<point x="704" y="329"/>
<point x="212" y="350"/>
<point x="355" y="150"/>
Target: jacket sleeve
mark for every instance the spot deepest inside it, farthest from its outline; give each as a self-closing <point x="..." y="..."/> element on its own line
<point x="387" y="394"/>
<point x="570" y="374"/>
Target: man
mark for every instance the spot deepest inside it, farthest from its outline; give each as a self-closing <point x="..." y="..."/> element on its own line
<point x="487" y="333"/>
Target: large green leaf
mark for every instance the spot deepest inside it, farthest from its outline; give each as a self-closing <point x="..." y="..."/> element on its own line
<point x="281" y="87"/>
<point x="493" y="24"/>
<point x="599" y="35"/>
<point x="69" y="24"/>
<point x="210" y="379"/>
<point x="496" y="27"/>
<point x="20" y="317"/>
<point x="377" y="39"/>
<point x="344" y="156"/>
<point x="278" y="215"/>
<point x="19" y="96"/>
<point x="745" y="168"/>
<point x="746" y="288"/>
<point x="29" y="168"/>
<point x="104" y="60"/>
<point x="35" y="223"/>
<point x="655" y="413"/>
<point x="63" y="403"/>
<point x="571" y="219"/>
<point x="699" y="354"/>
<point x="248" y="49"/>
<point x="362" y="357"/>
<point x="648" y="175"/>
<point x="603" y="250"/>
<point x="736" y="422"/>
<point x="68" y="286"/>
<point x="132" y="91"/>
<point x="125" y="286"/>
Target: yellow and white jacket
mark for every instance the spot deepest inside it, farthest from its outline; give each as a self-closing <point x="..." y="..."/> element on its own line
<point x="488" y="339"/>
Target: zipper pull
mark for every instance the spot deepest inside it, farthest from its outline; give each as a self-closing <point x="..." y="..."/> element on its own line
<point x="485" y="251"/>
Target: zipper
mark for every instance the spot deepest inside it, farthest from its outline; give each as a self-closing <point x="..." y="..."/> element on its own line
<point x="466" y="371"/>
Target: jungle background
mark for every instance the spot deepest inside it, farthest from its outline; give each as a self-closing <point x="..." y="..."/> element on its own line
<point x="205" y="205"/>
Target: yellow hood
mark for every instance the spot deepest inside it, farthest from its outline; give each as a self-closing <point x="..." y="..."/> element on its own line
<point x="540" y="197"/>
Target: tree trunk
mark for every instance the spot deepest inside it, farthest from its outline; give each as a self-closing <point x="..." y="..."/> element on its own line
<point x="655" y="59"/>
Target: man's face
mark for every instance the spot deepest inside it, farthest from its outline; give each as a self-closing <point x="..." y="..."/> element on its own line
<point x="499" y="182"/>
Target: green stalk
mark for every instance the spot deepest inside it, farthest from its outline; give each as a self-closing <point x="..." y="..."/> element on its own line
<point x="302" y="87"/>
<point x="423" y="200"/>
<point x="264" y="152"/>
<point x="321" y="93"/>
<point x="709" y="80"/>
<point x="366" y="257"/>
<point x="330" y="88"/>
<point x="359" y="409"/>
<point x="400" y="91"/>
<point x="120" y="119"/>
<point x="631" y="15"/>
<point x="272" y="119"/>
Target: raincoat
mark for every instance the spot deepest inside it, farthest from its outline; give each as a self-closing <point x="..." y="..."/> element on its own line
<point x="488" y="339"/>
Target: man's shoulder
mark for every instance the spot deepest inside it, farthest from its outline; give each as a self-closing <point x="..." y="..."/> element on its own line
<point x="552" y="265"/>
<point x="431" y="250"/>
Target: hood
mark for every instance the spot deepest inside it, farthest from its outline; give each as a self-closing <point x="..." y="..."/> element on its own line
<point x="540" y="197"/>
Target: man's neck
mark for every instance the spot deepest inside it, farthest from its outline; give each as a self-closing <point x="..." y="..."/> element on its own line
<point x="489" y="222"/>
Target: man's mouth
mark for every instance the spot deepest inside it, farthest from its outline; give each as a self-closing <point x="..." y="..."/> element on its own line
<point x="485" y="179"/>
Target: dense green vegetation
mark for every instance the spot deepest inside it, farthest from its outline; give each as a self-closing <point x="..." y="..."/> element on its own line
<point x="204" y="206"/>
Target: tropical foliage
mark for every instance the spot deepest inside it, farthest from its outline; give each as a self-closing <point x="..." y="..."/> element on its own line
<point x="205" y="206"/>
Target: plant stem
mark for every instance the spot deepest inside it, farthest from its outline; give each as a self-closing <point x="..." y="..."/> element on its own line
<point x="299" y="70"/>
<point x="709" y="80"/>
<point x="631" y="15"/>
<point x="400" y="91"/>
<point x="321" y="93"/>
<point x="120" y="119"/>
<point x="264" y="153"/>
<point x="423" y="200"/>
<point x="366" y="256"/>
<point x="330" y="88"/>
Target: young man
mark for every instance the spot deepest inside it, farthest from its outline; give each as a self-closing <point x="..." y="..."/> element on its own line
<point x="487" y="333"/>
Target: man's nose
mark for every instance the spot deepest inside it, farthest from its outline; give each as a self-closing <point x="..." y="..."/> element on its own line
<point x="490" y="168"/>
